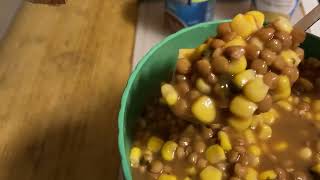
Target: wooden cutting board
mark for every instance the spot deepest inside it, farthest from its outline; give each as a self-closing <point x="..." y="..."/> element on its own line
<point x="62" y="72"/>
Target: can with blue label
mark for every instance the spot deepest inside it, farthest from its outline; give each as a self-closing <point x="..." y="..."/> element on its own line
<point x="184" y="13"/>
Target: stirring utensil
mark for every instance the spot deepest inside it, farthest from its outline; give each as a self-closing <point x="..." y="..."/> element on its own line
<point x="309" y="19"/>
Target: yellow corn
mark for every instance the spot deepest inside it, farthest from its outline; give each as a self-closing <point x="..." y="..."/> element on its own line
<point x="210" y="173"/>
<point x="135" y="156"/>
<point x="290" y="57"/>
<point x="191" y="171"/>
<point x="256" y="121"/>
<point x="256" y="90"/>
<point x="306" y="99"/>
<point x="285" y="105"/>
<point x="316" y="168"/>
<point x="269" y="117"/>
<point x="295" y="100"/>
<point x="317" y="116"/>
<point x="283" y="89"/>
<point x="239" y="124"/>
<point x="265" y="132"/>
<point x="254" y="150"/>
<point x="240" y="21"/>
<point x="204" y="109"/>
<point x="169" y="94"/>
<point x="252" y="174"/>
<point x="237" y="66"/>
<point x="224" y="140"/>
<point x="281" y="146"/>
<point x="167" y="177"/>
<point x="202" y="86"/>
<point x="215" y="154"/>
<point x="258" y="16"/>
<point x="187" y="178"/>
<point x="237" y="41"/>
<point x="257" y="42"/>
<point x="242" y="107"/>
<point x="154" y="144"/>
<point x="198" y="52"/>
<point x="249" y="136"/>
<point x="243" y="77"/>
<point x="185" y="53"/>
<point x="168" y="150"/>
<point x="268" y="175"/>
<point x="316" y="105"/>
<point x="290" y="99"/>
<point x="305" y="153"/>
<point x="283" y="24"/>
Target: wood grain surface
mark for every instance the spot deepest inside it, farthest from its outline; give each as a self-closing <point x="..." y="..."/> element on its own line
<point x="62" y="73"/>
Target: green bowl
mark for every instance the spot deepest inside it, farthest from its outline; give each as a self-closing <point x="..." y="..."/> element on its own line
<point x="155" y="67"/>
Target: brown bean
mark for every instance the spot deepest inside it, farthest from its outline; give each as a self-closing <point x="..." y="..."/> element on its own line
<point x="193" y="158"/>
<point x="281" y="174"/>
<point x="212" y="79"/>
<point x="184" y="141"/>
<point x="259" y="65"/>
<point x="217" y="52"/>
<point x="199" y="147"/>
<point x="298" y="36"/>
<point x="233" y="156"/>
<point x="217" y="43"/>
<point x="183" y="66"/>
<point x="285" y="38"/>
<point x="193" y="95"/>
<point x="188" y="150"/>
<point x="204" y="67"/>
<point x="252" y="52"/>
<point x="180" y="152"/>
<point x="279" y="64"/>
<point x="271" y="79"/>
<point x="229" y="36"/>
<point x="220" y="64"/>
<point x="180" y="78"/>
<point x="206" y="133"/>
<point x="274" y="45"/>
<point x="235" y="178"/>
<point x="224" y="28"/>
<point x="142" y="169"/>
<point x="180" y="108"/>
<point x="222" y="166"/>
<point x="202" y="163"/>
<point x="292" y="73"/>
<point x="303" y="106"/>
<point x="299" y="175"/>
<point x="300" y="52"/>
<point x="266" y="104"/>
<point x="265" y="33"/>
<point x="268" y="56"/>
<point x="234" y="52"/>
<point x="318" y="146"/>
<point x="167" y="169"/>
<point x="156" y="167"/>
<point x="182" y="87"/>
<point x="147" y="156"/>
<point x="240" y="170"/>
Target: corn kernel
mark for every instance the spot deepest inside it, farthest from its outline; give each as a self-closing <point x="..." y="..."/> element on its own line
<point x="168" y="150"/>
<point x="249" y="136"/>
<point x="198" y="52"/>
<point x="268" y="175"/>
<point x="154" y="144"/>
<point x="167" y="177"/>
<point x="187" y="178"/>
<point x="210" y="173"/>
<point x="242" y="107"/>
<point x="285" y="105"/>
<point x="256" y="121"/>
<point x="317" y="116"/>
<point x="283" y="89"/>
<point x="269" y="117"/>
<point x="204" y="109"/>
<point x="202" y="86"/>
<point x="283" y="24"/>
<point x="237" y="66"/>
<point x="316" y="168"/>
<point x="256" y="42"/>
<point x="255" y="90"/>
<point x="185" y="53"/>
<point x="191" y="171"/>
<point x="169" y="94"/>
<point x="243" y="77"/>
<point x="254" y="150"/>
<point x="215" y="154"/>
<point x="265" y="132"/>
<point x="274" y="112"/>
<point x="224" y="141"/>
<point x="240" y="21"/>
<point x="316" y="105"/>
<point x="258" y="16"/>
<point x="290" y="57"/>
<point x="306" y="99"/>
<point x="280" y="146"/>
<point x="290" y="99"/>
<point x="239" y="124"/>
<point x="305" y="153"/>
<point x="237" y="41"/>
<point x="252" y="174"/>
<point x="135" y="156"/>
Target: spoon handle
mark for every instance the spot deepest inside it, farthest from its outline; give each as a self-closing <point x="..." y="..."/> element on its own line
<point x="309" y="19"/>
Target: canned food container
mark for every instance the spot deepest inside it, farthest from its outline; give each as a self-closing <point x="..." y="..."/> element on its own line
<point x="157" y="66"/>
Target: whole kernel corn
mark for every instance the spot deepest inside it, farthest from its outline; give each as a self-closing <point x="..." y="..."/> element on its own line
<point x="154" y="144"/>
<point x="256" y="121"/>
<point x="254" y="150"/>
<point x="265" y="132"/>
<point x="242" y="107"/>
<point x="168" y="150"/>
<point x="224" y="140"/>
<point x="252" y="174"/>
<point x="317" y="116"/>
<point x="135" y="156"/>
<point x="239" y="124"/>
<point x="249" y="136"/>
<point x="215" y="154"/>
<point x="316" y="105"/>
<point x="237" y="66"/>
<point x="290" y="99"/>
<point x="268" y="175"/>
<point x="202" y="86"/>
<point x="283" y="89"/>
<point x="258" y="16"/>
<point x="316" y="168"/>
<point x="204" y="109"/>
<point x="305" y="153"/>
<point x="285" y="105"/>
<point x="167" y="177"/>
<point x="237" y="41"/>
<point x="283" y="24"/>
<point x="280" y="146"/>
<point x="256" y="90"/>
<point x="306" y="99"/>
<point x="185" y="53"/>
<point x="290" y="57"/>
<point x="187" y="178"/>
<point x="240" y="21"/>
<point x="191" y="171"/>
<point x="243" y="77"/>
<point x="198" y="52"/>
<point x="210" y="173"/>
<point x="169" y="94"/>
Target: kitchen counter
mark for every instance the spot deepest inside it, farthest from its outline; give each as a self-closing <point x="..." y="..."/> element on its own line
<point x="62" y="73"/>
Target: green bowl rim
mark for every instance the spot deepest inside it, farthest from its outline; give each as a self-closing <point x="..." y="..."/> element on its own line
<point x="132" y="78"/>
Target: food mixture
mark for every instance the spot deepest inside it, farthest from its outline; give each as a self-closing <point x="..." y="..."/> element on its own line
<point x="244" y="105"/>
